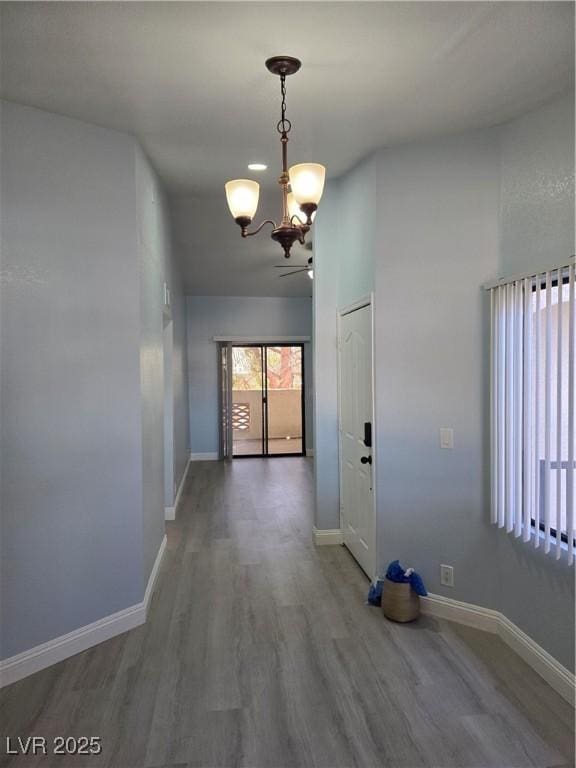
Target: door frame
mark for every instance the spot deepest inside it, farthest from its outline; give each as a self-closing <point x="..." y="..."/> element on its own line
<point x="263" y="345"/>
<point x="366" y="301"/>
<point x="224" y="383"/>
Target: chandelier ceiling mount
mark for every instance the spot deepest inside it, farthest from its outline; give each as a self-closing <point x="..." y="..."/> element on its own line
<point x="283" y="65"/>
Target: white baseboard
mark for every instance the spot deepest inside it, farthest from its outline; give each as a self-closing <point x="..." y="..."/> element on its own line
<point x="462" y="613"/>
<point x="170" y="512"/>
<point x="327" y="537"/>
<point x="204" y="456"/>
<point x="310" y="452"/>
<point x="554" y="673"/>
<point x="41" y="656"/>
<point x="154" y="575"/>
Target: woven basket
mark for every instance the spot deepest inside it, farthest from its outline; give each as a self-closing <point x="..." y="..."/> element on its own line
<point x="400" y="602"/>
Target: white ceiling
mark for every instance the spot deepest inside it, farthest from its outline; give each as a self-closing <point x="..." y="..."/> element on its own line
<point x="219" y="262"/>
<point x="188" y="79"/>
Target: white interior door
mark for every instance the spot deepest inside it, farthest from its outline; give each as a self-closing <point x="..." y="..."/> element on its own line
<point x="356" y="411"/>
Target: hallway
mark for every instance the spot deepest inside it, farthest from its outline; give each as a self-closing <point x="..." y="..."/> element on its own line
<point x="260" y="651"/>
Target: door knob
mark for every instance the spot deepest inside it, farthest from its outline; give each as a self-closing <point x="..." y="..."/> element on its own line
<point x="366" y="459"/>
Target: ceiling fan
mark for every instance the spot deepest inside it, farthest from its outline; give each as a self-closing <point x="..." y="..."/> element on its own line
<point x="302" y="268"/>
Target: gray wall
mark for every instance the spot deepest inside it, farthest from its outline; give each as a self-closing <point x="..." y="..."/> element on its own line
<point x="438" y="242"/>
<point x="179" y="369"/>
<point x="71" y="482"/>
<point x="537" y="231"/>
<point x="344" y="256"/>
<point x="210" y="316"/>
<point x="158" y="265"/>
<point x="85" y="252"/>
<point x="451" y="214"/>
<point x="168" y="354"/>
<point x="537" y="211"/>
<point x="153" y="250"/>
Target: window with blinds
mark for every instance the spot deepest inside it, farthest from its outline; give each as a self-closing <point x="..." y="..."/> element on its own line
<point x="533" y="329"/>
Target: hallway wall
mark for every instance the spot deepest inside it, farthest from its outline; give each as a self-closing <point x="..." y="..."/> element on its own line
<point x="85" y="252"/>
<point x="433" y="349"/>
<point x="452" y="214"/>
<point x="71" y="482"/>
<point x="179" y="369"/>
<point x="158" y="265"/>
<point x="210" y="316"/>
<point x="344" y="263"/>
<point x="537" y="198"/>
<point x="438" y="243"/>
<point x="537" y="231"/>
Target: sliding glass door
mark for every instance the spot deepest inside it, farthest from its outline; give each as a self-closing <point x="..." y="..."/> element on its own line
<point x="284" y="400"/>
<point x="248" y="392"/>
<point x="267" y="398"/>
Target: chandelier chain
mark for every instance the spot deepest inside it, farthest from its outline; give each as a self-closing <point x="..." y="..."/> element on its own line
<point x="284" y="125"/>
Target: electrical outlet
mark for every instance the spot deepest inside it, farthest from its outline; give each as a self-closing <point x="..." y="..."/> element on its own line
<point x="447" y="575"/>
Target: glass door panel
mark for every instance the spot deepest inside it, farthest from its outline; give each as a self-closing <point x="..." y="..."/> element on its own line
<point x="248" y="401"/>
<point x="284" y="383"/>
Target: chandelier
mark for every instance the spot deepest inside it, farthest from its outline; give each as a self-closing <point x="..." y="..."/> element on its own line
<point x="301" y="185"/>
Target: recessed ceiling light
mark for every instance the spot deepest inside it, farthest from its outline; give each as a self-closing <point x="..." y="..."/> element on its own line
<point x="257" y="167"/>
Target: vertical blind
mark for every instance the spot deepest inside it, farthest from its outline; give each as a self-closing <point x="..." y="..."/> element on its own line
<point x="533" y="457"/>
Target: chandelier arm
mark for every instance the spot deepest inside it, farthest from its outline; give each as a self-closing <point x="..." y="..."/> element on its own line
<point x="245" y="232"/>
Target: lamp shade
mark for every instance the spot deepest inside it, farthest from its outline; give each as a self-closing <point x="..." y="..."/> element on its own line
<point x="295" y="210"/>
<point x="307" y="182"/>
<point x="242" y="196"/>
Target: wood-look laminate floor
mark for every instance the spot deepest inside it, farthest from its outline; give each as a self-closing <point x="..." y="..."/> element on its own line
<point x="260" y="652"/>
<point x="276" y="446"/>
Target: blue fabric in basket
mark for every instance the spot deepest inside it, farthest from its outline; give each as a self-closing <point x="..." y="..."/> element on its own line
<point x="396" y="573"/>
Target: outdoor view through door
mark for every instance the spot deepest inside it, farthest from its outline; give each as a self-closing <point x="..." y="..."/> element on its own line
<point x="267" y="400"/>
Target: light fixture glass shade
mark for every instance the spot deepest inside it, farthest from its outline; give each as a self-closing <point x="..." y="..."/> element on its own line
<point x="242" y="196"/>
<point x="295" y="210"/>
<point x="307" y="182"/>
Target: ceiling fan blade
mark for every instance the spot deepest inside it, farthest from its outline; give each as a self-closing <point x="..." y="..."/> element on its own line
<point x="296" y="271"/>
